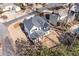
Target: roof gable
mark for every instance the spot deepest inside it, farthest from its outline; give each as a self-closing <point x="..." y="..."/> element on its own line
<point x="33" y="25"/>
<point x="28" y="24"/>
<point x="38" y="21"/>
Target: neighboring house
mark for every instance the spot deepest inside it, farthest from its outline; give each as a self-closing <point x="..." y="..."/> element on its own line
<point x="59" y="15"/>
<point x="54" y="5"/>
<point x="64" y="15"/>
<point x="35" y="27"/>
<point x="52" y="18"/>
<point x="10" y="7"/>
<point x="74" y="9"/>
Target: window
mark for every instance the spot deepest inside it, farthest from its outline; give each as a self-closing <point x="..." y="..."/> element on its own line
<point x="35" y="29"/>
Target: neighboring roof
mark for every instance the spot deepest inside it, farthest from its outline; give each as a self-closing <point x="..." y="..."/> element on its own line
<point x="53" y="5"/>
<point x="50" y="5"/>
<point x="3" y="5"/>
<point x="75" y="7"/>
<point x="54" y="18"/>
<point x="9" y="6"/>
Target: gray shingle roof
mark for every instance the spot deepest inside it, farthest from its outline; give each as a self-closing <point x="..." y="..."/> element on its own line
<point x="54" y="19"/>
<point x="38" y="22"/>
<point x="28" y="24"/>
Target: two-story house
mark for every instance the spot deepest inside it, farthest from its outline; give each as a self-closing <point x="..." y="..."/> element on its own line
<point x="35" y="27"/>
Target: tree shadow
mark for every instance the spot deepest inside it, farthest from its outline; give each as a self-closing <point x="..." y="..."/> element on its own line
<point x="67" y="38"/>
<point x="8" y="48"/>
<point x="25" y="48"/>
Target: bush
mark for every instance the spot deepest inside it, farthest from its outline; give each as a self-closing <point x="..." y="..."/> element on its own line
<point x="26" y="49"/>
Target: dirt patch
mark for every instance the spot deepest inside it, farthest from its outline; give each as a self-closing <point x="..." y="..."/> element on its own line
<point x="50" y="40"/>
<point x="16" y="25"/>
<point x="16" y="33"/>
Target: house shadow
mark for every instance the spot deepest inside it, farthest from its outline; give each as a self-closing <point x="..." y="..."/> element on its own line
<point x="8" y="47"/>
<point x="26" y="34"/>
